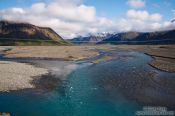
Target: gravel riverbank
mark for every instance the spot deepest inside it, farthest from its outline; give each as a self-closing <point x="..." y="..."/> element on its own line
<point x="17" y="76"/>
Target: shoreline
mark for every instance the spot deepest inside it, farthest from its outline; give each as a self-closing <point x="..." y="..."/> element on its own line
<point x="163" y="55"/>
<point x="75" y="53"/>
<point x="18" y="76"/>
<point x="155" y="63"/>
<point x="66" y="53"/>
<point x="21" y="75"/>
<point x="160" y="65"/>
<point x="40" y="83"/>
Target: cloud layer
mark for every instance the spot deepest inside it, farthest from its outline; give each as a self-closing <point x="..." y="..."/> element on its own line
<point x="144" y="16"/>
<point x="137" y="3"/>
<point x="73" y="18"/>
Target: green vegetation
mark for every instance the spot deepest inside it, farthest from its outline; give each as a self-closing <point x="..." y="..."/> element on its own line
<point x="17" y="42"/>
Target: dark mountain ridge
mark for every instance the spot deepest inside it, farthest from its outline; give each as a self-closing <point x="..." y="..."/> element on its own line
<point x="24" y="31"/>
<point x="160" y="37"/>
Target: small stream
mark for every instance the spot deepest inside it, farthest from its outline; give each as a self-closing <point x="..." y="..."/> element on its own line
<point x="118" y="87"/>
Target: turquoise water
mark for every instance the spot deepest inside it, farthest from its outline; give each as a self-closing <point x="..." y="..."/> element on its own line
<point x="114" y="88"/>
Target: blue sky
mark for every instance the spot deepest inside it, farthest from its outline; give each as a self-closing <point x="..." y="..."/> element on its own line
<point x="116" y="8"/>
<point x="124" y="14"/>
<point x="109" y="8"/>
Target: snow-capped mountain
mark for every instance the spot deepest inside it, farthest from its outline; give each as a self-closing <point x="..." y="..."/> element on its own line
<point x="91" y="38"/>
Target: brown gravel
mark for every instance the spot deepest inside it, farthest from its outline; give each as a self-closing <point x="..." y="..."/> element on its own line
<point x="17" y="76"/>
<point x="164" y="55"/>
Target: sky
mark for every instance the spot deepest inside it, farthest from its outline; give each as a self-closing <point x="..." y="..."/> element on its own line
<point x="71" y="18"/>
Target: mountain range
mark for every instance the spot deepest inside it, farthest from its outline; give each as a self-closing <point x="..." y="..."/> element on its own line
<point x="17" y="33"/>
<point x="159" y="37"/>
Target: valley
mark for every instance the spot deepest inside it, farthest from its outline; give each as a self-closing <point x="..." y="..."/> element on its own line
<point x="87" y="58"/>
<point x="99" y="72"/>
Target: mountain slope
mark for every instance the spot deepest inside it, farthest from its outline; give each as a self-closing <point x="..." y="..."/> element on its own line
<point x="161" y="37"/>
<point x="23" y="33"/>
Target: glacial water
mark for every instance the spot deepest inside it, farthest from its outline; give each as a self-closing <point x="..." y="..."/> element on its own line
<point x="118" y="87"/>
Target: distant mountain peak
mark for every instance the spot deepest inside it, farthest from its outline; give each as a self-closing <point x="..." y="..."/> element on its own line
<point x="91" y="38"/>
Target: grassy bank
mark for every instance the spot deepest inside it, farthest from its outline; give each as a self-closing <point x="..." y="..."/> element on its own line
<point x="20" y="42"/>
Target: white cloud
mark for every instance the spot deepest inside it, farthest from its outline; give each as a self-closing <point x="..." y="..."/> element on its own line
<point x="72" y="18"/>
<point x="142" y="26"/>
<point x="137" y="3"/>
<point x="66" y="17"/>
<point x="156" y="17"/>
<point x="143" y="15"/>
<point x="73" y="13"/>
<point x="38" y="7"/>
